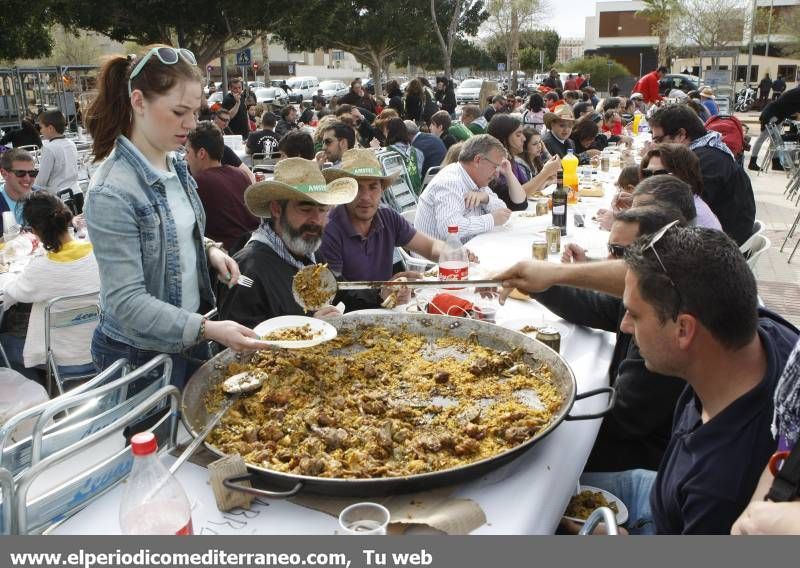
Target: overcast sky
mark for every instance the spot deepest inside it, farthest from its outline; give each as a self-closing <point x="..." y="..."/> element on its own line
<point x="569" y="18"/>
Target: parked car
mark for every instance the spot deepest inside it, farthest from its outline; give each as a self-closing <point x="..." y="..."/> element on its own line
<point x="333" y="88"/>
<point x="678" y="81"/>
<point x="215" y="97"/>
<point x="255" y="84"/>
<point x="469" y="91"/>
<point x="271" y="95"/>
<point x="303" y="88"/>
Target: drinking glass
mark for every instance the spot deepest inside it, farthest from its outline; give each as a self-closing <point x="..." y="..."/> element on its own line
<point x="363" y="519"/>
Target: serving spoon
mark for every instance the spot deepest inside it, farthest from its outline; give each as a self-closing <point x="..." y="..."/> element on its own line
<point x="326" y="286"/>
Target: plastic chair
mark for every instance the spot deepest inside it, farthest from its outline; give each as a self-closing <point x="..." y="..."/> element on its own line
<point x="759" y="245"/>
<point x="430" y="175"/>
<point x="264" y="163"/>
<point x="68" y="312"/>
<point x="758" y="228"/>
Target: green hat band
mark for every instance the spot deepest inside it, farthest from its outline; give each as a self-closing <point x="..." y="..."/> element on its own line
<point x="368" y="171"/>
<point x="310" y="187"/>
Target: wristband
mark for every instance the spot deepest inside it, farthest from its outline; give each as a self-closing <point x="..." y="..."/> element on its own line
<point x="202" y="332"/>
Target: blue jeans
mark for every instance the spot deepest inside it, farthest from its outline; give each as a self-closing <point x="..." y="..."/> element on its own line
<point x="14" y="347"/>
<point x="106" y="350"/>
<point x="633" y="487"/>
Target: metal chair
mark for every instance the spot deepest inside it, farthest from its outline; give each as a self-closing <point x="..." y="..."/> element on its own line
<point x="266" y="164"/>
<point x="68" y="312"/>
<point x="601" y="514"/>
<point x="430" y="175"/>
<point x="7" y="504"/>
<point x="35" y="515"/>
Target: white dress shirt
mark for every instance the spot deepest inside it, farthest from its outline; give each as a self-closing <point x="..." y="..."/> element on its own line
<point x="442" y="205"/>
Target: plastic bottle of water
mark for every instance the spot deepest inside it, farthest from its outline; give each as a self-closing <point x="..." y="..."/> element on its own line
<point x="153" y="502"/>
<point x="453" y="260"/>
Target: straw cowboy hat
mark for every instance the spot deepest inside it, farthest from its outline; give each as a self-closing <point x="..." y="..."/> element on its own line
<point x="635" y="96"/>
<point x="707" y="92"/>
<point x="360" y="163"/>
<point x="562" y="112"/>
<point x="298" y="179"/>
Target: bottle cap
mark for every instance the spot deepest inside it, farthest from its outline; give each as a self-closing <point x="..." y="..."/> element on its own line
<point x="452" y="229"/>
<point x="144" y="443"/>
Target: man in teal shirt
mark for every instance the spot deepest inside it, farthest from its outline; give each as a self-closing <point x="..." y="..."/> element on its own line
<point x="18" y="171"/>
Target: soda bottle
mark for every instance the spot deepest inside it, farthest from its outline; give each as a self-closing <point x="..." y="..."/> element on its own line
<point x="453" y="260"/>
<point x="637" y="118"/>
<point x="560" y="204"/>
<point x="153" y="502"/>
<point x="569" y="164"/>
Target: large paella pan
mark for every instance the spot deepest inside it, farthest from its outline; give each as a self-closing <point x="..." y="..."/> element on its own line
<point x="397" y="403"/>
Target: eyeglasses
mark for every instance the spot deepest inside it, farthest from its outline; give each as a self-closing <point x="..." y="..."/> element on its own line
<point x="657" y="236"/>
<point x="225" y="119"/>
<point x="488" y="159"/>
<point x="617" y="251"/>
<point x="659" y="139"/>
<point x="328" y="141"/>
<point x="651" y="173"/>
<point x="23" y="173"/>
<point x="166" y="55"/>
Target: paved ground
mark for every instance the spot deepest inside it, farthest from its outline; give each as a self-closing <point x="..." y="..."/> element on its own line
<point x="778" y="280"/>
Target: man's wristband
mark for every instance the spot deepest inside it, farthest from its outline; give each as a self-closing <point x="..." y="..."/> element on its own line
<point x="201" y="334"/>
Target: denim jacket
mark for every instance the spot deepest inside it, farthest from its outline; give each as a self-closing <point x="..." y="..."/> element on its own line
<point x="135" y="242"/>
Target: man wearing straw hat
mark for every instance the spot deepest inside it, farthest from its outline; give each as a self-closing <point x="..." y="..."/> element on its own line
<point x="360" y="238"/>
<point x="294" y="209"/>
<point x="707" y="98"/>
<point x="559" y="126"/>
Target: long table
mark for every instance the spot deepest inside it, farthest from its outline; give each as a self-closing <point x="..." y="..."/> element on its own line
<point x="526" y="496"/>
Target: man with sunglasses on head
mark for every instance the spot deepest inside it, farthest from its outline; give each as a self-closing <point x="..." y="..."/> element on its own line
<point x="234" y="101"/>
<point x="19" y="173"/>
<point x="692" y="307"/>
<point x="726" y="186"/>
<point x="636" y="432"/>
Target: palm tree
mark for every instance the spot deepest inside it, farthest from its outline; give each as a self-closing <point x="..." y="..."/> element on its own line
<point x="660" y="14"/>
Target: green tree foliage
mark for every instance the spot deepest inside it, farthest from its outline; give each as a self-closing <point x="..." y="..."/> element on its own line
<point x="374" y="31"/>
<point x="661" y="14"/>
<point x="545" y="40"/>
<point x="453" y="20"/>
<point x="203" y="26"/>
<point x="597" y="67"/>
<point x="25" y="33"/>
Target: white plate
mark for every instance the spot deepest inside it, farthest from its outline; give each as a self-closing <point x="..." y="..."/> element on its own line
<point x="328" y="332"/>
<point x="622" y="510"/>
<point x="519" y="323"/>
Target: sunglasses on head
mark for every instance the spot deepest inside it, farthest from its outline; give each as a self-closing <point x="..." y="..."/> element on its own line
<point x="166" y="55"/>
<point x="650" y="173"/>
<point x="654" y="238"/>
<point x="23" y="173"/>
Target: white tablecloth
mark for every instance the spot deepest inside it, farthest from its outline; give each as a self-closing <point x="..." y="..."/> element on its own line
<point x="526" y="496"/>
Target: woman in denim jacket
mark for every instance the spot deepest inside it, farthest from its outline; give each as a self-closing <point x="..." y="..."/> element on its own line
<point x="146" y="221"/>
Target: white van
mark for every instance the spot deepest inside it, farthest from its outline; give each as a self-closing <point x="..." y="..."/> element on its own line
<point x="303" y="88"/>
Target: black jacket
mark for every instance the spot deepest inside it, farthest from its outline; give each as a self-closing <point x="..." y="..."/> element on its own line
<point x="727" y="190"/>
<point x="636" y="432"/>
<point x="554" y="146"/>
<point x="786" y="105"/>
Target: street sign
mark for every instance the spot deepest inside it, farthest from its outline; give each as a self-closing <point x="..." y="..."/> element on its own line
<point x="209" y="68"/>
<point x="501" y="66"/>
<point x="244" y="57"/>
<point x="291" y="69"/>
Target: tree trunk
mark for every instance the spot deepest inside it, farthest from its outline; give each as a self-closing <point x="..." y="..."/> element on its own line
<point x="265" y="58"/>
<point x="514" y="58"/>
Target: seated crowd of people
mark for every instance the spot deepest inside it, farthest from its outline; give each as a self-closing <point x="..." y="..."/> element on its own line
<point x="701" y="370"/>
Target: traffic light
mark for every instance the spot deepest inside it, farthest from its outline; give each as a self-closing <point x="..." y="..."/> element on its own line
<point x="255" y="66"/>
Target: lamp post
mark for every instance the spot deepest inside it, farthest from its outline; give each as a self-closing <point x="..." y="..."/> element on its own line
<point x="610" y="63"/>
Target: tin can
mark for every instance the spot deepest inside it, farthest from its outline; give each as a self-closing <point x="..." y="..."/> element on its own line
<point x="553" y="239"/>
<point x="260" y="176"/>
<point x="605" y="163"/>
<point x="550" y="337"/>
<point x="541" y="207"/>
<point x="540" y="250"/>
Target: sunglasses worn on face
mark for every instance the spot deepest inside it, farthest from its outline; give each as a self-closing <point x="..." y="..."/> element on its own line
<point x="617" y="251"/>
<point x="23" y="173"/>
<point x="225" y="119"/>
<point x="650" y="173"/>
<point x="166" y="55"/>
<point x="652" y="246"/>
